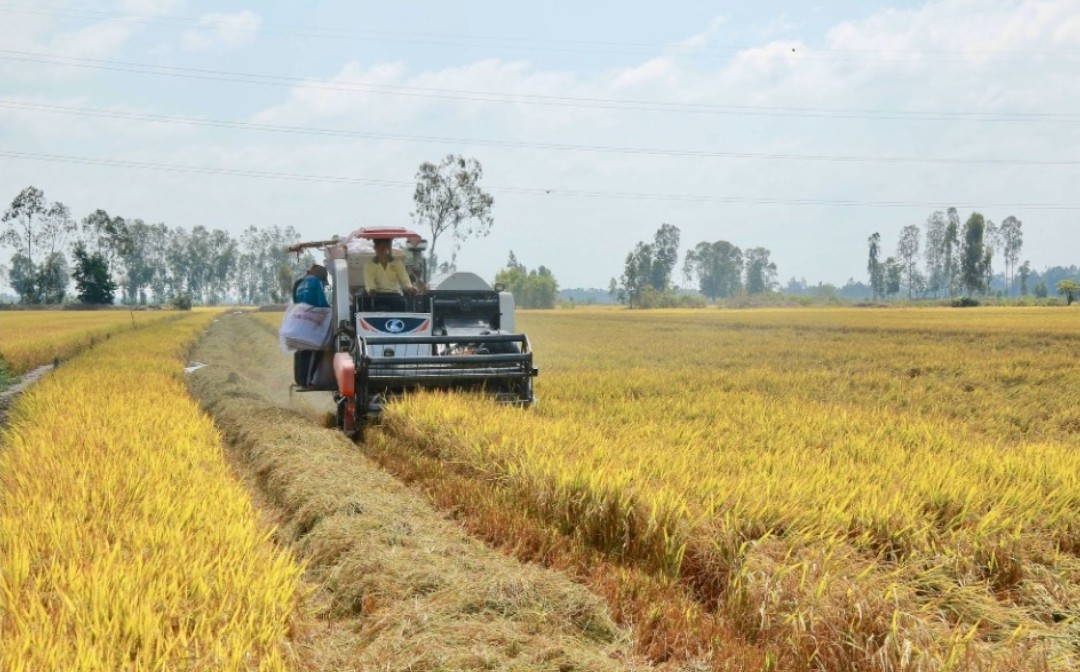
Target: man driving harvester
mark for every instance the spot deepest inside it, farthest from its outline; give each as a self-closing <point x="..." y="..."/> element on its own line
<point x="386" y="279"/>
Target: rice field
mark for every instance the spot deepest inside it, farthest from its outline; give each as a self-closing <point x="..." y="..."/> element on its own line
<point x="869" y="489"/>
<point x="30" y="338"/>
<point x="125" y="541"/>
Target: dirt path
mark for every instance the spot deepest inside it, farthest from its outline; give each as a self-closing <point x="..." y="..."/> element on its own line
<point x="394" y="584"/>
<point x="9" y="394"/>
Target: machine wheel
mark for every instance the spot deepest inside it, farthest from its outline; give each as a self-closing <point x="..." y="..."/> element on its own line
<point x="525" y="391"/>
<point x="347" y="419"/>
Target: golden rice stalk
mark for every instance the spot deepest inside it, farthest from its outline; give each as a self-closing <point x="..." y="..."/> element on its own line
<point x="865" y="489"/>
<point x="35" y="337"/>
<point x="125" y="543"/>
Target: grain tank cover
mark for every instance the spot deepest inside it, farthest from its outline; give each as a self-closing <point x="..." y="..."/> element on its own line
<point x="460" y="281"/>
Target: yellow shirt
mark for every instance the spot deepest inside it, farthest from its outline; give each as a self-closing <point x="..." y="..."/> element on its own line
<point x="392" y="279"/>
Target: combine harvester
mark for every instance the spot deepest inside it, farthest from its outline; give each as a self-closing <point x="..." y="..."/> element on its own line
<point x="457" y="332"/>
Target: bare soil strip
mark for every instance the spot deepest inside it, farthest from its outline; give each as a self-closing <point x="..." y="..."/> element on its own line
<point x="9" y="394"/>
<point x="393" y="584"/>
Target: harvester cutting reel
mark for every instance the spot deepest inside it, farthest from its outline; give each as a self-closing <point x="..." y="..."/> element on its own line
<point x="379" y="368"/>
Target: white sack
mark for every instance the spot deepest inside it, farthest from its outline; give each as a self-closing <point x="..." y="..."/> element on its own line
<point x="306" y="327"/>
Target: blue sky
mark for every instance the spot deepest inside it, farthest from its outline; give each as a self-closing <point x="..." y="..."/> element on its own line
<point x="887" y="96"/>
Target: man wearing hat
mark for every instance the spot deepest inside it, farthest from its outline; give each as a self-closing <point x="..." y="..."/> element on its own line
<point x="311" y="289"/>
<point x="386" y="279"/>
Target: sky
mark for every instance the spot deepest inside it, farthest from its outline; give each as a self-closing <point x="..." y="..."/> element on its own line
<point x="799" y="127"/>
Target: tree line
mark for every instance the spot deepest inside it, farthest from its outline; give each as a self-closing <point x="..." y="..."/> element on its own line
<point x="957" y="258"/>
<point x="720" y="269"/>
<point x="135" y="262"/>
<point x="535" y="288"/>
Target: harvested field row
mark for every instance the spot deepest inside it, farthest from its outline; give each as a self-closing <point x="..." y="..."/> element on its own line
<point x="396" y="585"/>
<point x="125" y="542"/>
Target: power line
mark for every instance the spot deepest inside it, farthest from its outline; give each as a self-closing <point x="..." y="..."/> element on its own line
<point x="530" y="99"/>
<point x="532" y="191"/>
<point x="521" y="42"/>
<point x="513" y="144"/>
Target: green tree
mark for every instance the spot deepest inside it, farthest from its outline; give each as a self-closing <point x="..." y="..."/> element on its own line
<point x="717" y="267"/>
<point x="21" y="233"/>
<point x="665" y="255"/>
<point x="137" y="257"/>
<point x="37" y="229"/>
<point x="935" y="253"/>
<point x="637" y="272"/>
<point x="894" y="273"/>
<point x="973" y="255"/>
<point x="874" y="266"/>
<point x="260" y="253"/>
<point x="908" y="251"/>
<point x="1012" y="241"/>
<point x="514" y="278"/>
<point x="283" y="280"/>
<point x="178" y="264"/>
<point x="541" y="289"/>
<point x="198" y="256"/>
<point x="52" y="278"/>
<point x="55" y="229"/>
<point x="93" y="282"/>
<point x="531" y="289"/>
<point x="222" y="268"/>
<point x="1069" y="289"/>
<point x="1041" y="290"/>
<point x="448" y="200"/>
<point x="105" y="235"/>
<point x="23" y="280"/>
<point x="1025" y="273"/>
<point x="950" y="245"/>
<point x="991" y="242"/>
<point x="760" y="271"/>
<point x="103" y="238"/>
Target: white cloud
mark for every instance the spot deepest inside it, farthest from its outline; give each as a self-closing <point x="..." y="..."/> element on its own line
<point x="98" y="40"/>
<point x="152" y="7"/>
<point x="220" y="31"/>
<point x="704" y="37"/>
<point x="661" y="69"/>
<point x="49" y="34"/>
<point x="44" y="119"/>
<point x="101" y="39"/>
<point x="389" y="93"/>
<point x="781" y="25"/>
<point x="952" y="55"/>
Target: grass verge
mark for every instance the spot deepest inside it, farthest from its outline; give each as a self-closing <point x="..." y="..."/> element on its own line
<point x="7" y="378"/>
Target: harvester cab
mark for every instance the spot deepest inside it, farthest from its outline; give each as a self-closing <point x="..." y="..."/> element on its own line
<point x="456" y="332"/>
